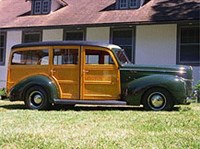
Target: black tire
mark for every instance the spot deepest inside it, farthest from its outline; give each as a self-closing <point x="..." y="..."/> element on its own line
<point x="36" y="98"/>
<point x="158" y="99"/>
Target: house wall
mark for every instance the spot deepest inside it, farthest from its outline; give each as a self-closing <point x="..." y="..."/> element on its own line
<point x="101" y="34"/>
<point x="13" y="37"/>
<point x="196" y="74"/>
<point x="156" y="44"/>
<point x="52" y="34"/>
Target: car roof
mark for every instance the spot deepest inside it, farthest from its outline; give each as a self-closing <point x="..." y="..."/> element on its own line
<point x="66" y="43"/>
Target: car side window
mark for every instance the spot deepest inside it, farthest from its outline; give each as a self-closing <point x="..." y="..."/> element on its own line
<point x="30" y="57"/>
<point x="65" y="56"/>
<point x="98" y="57"/>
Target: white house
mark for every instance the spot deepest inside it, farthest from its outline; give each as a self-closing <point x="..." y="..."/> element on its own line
<point x="151" y="31"/>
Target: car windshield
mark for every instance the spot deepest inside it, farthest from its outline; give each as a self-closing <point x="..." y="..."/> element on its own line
<point x="121" y="55"/>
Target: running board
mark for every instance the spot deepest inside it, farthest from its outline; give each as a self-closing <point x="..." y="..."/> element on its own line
<point x="91" y="102"/>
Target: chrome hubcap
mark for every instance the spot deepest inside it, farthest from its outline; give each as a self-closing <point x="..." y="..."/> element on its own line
<point x="157" y="100"/>
<point x="35" y="99"/>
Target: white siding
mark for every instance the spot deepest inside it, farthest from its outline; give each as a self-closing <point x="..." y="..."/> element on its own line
<point x="156" y="44"/>
<point x="101" y="34"/>
<point x="196" y="74"/>
<point x="53" y="35"/>
<point x="13" y="37"/>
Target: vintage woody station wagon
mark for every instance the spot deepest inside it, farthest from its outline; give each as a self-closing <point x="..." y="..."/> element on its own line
<point x="78" y="72"/>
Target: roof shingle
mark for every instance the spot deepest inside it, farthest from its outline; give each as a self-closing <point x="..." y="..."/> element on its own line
<point x="90" y="12"/>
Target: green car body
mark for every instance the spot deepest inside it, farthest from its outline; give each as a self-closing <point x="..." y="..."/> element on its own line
<point x="137" y="79"/>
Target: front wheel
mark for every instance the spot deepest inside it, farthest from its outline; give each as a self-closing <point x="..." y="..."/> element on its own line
<point x="157" y="99"/>
<point x="36" y="98"/>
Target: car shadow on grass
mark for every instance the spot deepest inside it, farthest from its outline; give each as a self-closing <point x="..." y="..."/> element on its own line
<point x="103" y="108"/>
<point x="21" y="106"/>
<point x="13" y="106"/>
<point x="111" y="108"/>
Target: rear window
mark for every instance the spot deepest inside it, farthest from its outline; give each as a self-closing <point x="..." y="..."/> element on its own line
<point x="30" y="57"/>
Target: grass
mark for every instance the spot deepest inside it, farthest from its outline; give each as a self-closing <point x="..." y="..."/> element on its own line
<point x="2" y="92"/>
<point x="98" y="127"/>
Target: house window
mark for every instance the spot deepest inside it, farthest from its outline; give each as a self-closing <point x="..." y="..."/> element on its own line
<point x="133" y="3"/>
<point x="123" y="4"/>
<point x="41" y="6"/>
<point x="46" y="6"/>
<point x="189" y="45"/>
<point x="38" y="7"/>
<point x="2" y="48"/>
<point x="74" y="35"/>
<point x="31" y="36"/>
<point x="125" y="39"/>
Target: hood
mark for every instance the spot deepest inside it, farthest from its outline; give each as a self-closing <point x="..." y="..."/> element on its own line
<point x="179" y="70"/>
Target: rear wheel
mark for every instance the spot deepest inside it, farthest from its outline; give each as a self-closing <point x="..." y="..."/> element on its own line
<point x="36" y="98"/>
<point x="157" y="99"/>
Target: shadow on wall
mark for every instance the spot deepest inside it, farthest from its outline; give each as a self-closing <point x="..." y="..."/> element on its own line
<point x="176" y="10"/>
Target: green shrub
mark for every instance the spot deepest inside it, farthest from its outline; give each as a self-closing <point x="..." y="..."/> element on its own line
<point x="197" y="91"/>
<point x="3" y="92"/>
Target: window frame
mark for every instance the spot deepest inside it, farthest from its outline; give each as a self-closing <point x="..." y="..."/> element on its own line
<point x="41" y="11"/>
<point x="2" y="63"/>
<point x="48" y="7"/>
<point x="136" y="6"/>
<point x="31" y="32"/>
<point x="74" y="31"/>
<point x="133" y="30"/>
<point x="178" y="57"/>
<point x="128" y="4"/>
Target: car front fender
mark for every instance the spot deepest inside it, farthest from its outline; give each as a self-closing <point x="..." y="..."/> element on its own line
<point x="173" y="84"/>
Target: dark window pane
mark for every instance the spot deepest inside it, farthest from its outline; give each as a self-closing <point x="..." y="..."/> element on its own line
<point x="1" y="54"/>
<point x="122" y="37"/>
<point x="190" y="53"/>
<point x="190" y="35"/>
<point x="189" y="45"/>
<point x="2" y="41"/>
<point x="32" y="37"/>
<point x="74" y="36"/>
<point x="2" y="48"/>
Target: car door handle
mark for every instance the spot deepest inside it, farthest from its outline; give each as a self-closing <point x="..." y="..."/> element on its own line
<point x="85" y="71"/>
<point x="52" y="71"/>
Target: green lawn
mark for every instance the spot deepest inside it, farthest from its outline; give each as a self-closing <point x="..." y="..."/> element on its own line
<point x="98" y="127"/>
